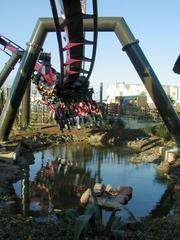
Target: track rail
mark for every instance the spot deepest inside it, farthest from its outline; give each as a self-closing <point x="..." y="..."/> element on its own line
<point x="75" y="73"/>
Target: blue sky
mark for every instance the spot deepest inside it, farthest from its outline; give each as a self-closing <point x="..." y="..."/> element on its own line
<point x="155" y="23"/>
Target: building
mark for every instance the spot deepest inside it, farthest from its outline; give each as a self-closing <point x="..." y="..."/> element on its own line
<point x="122" y="89"/>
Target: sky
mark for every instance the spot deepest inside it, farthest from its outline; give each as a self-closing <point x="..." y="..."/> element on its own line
<point x="155" y="23"/>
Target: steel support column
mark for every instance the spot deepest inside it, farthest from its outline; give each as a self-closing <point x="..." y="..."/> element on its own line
<point x="8" y="67"/>
<point x="21" y="80"/>
<point x="144" y="70"/>
<point x="130" y="45"/>
<point x="149" y="79"/>
<point x="26" y="107"/>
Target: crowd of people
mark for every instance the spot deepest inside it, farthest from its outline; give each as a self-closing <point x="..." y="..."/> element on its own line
<point x="47" y="84"/>
<point x="67" y="115"/>
<point x="77" y="114"/>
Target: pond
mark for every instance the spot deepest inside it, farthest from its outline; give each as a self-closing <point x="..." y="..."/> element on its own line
<point x="49" y="185"/>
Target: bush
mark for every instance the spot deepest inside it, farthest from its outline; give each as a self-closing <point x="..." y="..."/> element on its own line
<point x="116" y="123"/>
<point x="162" y="132"/>
<point x="148" y="130"/>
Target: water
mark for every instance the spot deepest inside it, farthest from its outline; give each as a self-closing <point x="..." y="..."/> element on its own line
<point x="54" y="188"/>
<point x="134" y="123"/>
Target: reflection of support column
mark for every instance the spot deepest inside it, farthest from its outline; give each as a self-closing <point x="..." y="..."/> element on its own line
<point x="9" y="66"/>
<point x="98" y="173"/>
<point x="21" y="80"/>
<point x="25" y="192"/>
<point x="165" y="204"/>
<point x="42" y="159"/>
<point x="26" y="106"/>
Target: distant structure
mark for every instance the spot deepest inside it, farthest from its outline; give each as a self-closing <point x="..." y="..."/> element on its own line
<point x="122" y="89"/>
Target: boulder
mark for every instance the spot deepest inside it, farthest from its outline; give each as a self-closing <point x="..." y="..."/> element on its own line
<point x="98" y="188"/>
<point x="85" y="197"/>
<point x="109" y="188"/>
<point x="126" y="190"/>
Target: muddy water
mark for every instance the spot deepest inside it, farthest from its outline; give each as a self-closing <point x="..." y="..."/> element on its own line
<point x="60" y="174"/>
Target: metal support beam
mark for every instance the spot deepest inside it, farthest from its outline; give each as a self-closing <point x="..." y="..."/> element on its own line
<point x="8" y="67"/>
<point x="144" y="70"/>
<point x="26" y="107"/>
<point x="21" y="80"/>
<point x="149" y="79"/>
<point x="130" y="45"/>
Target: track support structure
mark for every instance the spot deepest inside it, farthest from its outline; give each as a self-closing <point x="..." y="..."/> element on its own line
<point x="129" y="44"/>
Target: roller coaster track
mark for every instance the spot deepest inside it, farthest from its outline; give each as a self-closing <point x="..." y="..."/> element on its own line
<point x="9" y="46"/>
<point x="74" y="73"/>
<point x="42" y="66"/>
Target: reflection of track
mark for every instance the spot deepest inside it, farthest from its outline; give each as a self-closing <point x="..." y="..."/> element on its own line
<point x="77" y="68"/>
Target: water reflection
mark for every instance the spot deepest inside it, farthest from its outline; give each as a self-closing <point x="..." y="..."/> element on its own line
<point x="61" y="174"/>
<point x="25" y="192"/>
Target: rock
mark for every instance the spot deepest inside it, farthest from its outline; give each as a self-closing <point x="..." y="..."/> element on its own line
<point x="121" y="198"/>
<point x="150" y="143"/>
<point x="112" y="202"/>
<point x="163" y="167"/>
<point x="177" y="188"/>
<point x="107" y="197"/>
<point x="109" y="188"/>
<point x="125" y="190"/>
<point x="98" y="188"/>
<point x="85" y="197"/>
<point x="171" y="156"/>
<point x="9" y="157"/>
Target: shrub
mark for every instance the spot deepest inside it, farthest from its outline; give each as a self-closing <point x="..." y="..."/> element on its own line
<point x="162" y="132"/>
<point x="116" y="123"/>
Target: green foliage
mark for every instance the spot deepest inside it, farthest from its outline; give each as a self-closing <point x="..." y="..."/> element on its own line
<point x="13" y="227"/>
<point x="91" y="222"/>
<point x="171" y="100"/>
<point x="156" y="229"/>
<point x="105" y="126"/>
<point x="162" y="132"/>
<point x="29" y="128"/>
<point x="148" y="130"/>
<point x="115" y="123"/>
<point x="120" y="123"/>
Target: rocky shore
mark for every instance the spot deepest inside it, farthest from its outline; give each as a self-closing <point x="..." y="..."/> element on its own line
<point x="146" y="149"/>
<point x="37" y="138"/>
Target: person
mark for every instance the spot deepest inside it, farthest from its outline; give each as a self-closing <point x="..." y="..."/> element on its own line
<point x="59" y="117"/>
<point x="67" y="118"/>
<point x="77" y="115"/>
